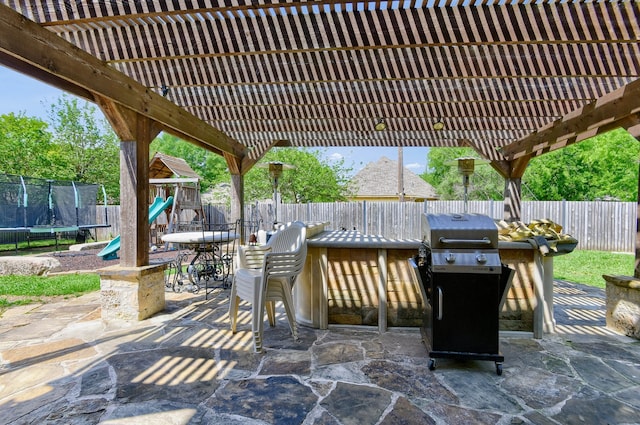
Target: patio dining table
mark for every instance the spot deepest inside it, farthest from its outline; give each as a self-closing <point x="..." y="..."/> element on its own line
<point x="208" y="263"/>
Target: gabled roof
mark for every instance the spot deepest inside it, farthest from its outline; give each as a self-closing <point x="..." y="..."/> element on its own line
<point x="380" y="179"/>
<point x="164" y="166"/>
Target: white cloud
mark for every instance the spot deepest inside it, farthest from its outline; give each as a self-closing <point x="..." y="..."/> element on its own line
<point x="335" y="156"/>
<point x="415" y="166"/>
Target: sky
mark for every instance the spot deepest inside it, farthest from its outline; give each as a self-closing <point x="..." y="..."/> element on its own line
<point x="23" y="94"/>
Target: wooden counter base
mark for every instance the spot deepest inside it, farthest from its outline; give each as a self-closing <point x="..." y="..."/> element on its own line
<point x="354" y="279"/>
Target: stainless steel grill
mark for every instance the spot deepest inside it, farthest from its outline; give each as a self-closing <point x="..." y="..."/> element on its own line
<point x="462" y="243"/>
<point x="460" y="270"/>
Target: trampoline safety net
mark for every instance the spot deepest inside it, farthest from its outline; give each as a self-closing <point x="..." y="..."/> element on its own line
<point x="33" y="202"/>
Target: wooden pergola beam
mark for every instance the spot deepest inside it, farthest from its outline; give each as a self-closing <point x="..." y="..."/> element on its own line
<point x="29" y="48"/>
<point x="597" y="117"/>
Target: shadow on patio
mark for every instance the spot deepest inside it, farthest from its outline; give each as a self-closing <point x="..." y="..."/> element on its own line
<point x="59" y="366"/>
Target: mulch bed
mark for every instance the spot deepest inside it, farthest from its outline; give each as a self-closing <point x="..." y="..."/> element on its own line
<point x="88" y="260"/>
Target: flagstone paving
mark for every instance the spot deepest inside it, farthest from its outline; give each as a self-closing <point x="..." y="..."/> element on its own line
<point x="58" y="365"/>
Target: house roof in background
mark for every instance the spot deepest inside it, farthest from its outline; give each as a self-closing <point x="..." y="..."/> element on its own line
<point x="380" y="179"/>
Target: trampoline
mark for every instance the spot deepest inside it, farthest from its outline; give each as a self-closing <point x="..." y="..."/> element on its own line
<point x="30" y="205"/>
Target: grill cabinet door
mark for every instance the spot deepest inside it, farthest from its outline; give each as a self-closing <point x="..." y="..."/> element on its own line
<point x="465" y="312"/>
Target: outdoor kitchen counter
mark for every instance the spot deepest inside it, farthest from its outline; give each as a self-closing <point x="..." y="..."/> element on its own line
<point x="354" y="239"/>
<point x="529" y="303"/>
<point x="355" y="279"/>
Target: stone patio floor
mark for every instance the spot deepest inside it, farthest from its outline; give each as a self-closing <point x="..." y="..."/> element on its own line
<point x="58" y="365"/>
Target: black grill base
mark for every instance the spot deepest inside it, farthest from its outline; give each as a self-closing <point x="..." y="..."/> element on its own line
<point x="467" y="325"/>
<point x="465" y="356"/>
<point x="497" y="358"/>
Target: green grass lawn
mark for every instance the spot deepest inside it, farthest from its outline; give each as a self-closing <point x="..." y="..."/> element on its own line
<point x="588" y="266"/>
<point x="20" y="290"/>
<point x="37" y="245"/>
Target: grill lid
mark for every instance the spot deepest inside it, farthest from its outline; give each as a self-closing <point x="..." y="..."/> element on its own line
<point x="462" y="243"/>
<point x="464" y="231"/>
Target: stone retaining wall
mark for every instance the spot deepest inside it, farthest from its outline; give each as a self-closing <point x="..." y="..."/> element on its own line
<point x="623" y="304"/>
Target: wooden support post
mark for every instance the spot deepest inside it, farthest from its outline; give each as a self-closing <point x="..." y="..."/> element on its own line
<point x="382" y="290"/>
<point x="636" y="270"/>
<point x="136" y="133"/>
<point x="237" y="192"/>
<point x="513" y="188"/>
<point x="512" y="199"/>
<point x="134" y="203"/>
<point x="237" y="201"/>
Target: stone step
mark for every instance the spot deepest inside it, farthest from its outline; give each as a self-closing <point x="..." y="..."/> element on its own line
<point x="88" y="246"/>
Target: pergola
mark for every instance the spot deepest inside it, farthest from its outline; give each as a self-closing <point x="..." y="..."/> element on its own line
<point x="511" y="79"/>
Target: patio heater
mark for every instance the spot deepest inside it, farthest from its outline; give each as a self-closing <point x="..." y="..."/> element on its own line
<point x="466" y="167"/>
<point x="275" y="171"/>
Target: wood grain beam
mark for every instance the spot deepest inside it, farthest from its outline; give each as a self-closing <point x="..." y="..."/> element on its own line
<point x="47" y="78"/>
<point x="498" y="161"/>
<point x="237" y="190"/>
<point x="134" y="189"/>
<point x="634" y="127"/>
<point x="45" y="56"/>
<point x="508" y="169"/>
<point x="606" y="112"/>
<point x="135" y="132"/>
<point x="234" y="165"/>
<point x="519" y="166"/>
<point x="630" y="123"/>
<point x="122" y="120"/>
<point x="256" y="153"/>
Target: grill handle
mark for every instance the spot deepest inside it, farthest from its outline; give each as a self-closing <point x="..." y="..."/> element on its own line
<point x="440" y="296"/>
<point x="483" y="241"/>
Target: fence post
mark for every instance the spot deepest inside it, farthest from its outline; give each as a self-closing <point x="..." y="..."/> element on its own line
<point x="364" y="218"/>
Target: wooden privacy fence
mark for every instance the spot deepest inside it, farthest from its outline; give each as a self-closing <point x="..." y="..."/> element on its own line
<point x="598" y="225"/>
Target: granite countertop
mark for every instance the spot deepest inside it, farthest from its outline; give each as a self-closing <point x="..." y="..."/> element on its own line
<point x="354" y="239"/>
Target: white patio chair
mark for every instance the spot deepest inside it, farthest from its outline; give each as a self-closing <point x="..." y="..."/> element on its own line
<point x="266" y="274"/>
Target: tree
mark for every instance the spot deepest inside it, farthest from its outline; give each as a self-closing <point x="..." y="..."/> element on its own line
<point x="313" y="180"/>
<point x="602" y="167"/>
<point x="89" y="150"/>
<point x="211" y="168"/>
<point x="25" y="146"/>
<point x="485" y="183"/>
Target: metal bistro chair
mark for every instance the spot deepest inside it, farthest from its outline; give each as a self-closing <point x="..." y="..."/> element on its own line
<point x="177" y="276"/>
<point x="215" y="259"/>
<point x="266" y="274"/>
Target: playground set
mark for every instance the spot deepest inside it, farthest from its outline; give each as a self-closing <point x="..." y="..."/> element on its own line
<point x="32" y="206"/>
<point x="174" y="191"/>
<point x="110" y="252"/>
